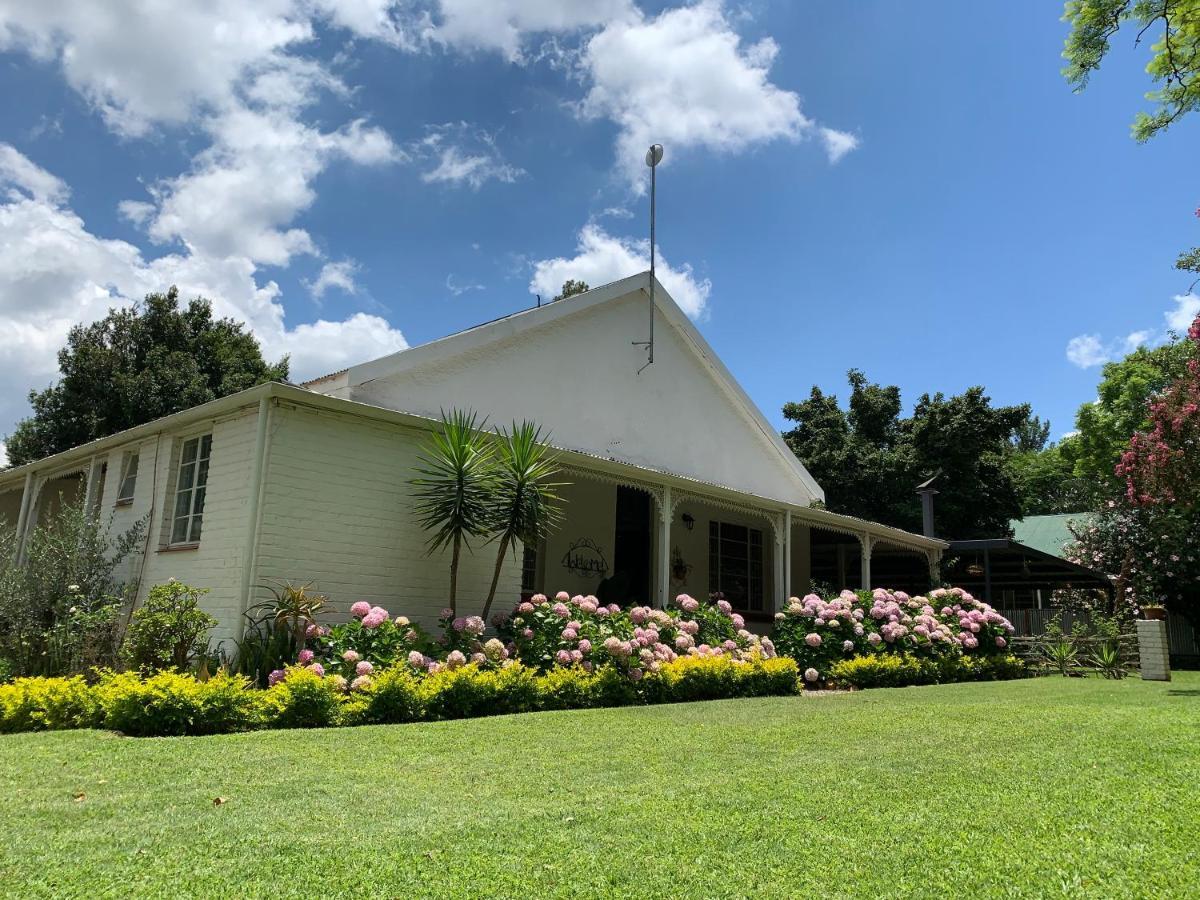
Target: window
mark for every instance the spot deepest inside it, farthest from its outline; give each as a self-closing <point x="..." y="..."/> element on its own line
<point x="128" y="479"/>
<point x="735" y="564"/>
<point x="189" y="490"/>
<point x="529" y="559"/>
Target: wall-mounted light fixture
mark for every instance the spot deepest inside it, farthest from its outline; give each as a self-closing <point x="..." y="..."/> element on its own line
<point x="689" y="521"/>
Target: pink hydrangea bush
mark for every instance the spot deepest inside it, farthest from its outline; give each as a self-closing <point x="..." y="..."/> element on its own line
<point x="948" y="621"/>
<point x="581" y="631"/>
<point x="371" y="639"/>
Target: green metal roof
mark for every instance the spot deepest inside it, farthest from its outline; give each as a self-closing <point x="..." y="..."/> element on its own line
<point x="1046" y="533"/>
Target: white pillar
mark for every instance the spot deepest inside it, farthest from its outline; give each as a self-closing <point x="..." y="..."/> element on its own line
<point x="26" y="499"/>
<point x="780" y="526"/>
<point x="664" y="549"/>
<point x="787" y="555"/>
<point x="865" y="540"/>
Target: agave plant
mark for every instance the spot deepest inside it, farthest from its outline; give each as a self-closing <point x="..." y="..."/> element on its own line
<point x="1060" y="655"/>
<point x="525" y="503"/>
<point x="1107" y="658"/>
<point x="293" y="609"/>
<point x="454" y="488"/>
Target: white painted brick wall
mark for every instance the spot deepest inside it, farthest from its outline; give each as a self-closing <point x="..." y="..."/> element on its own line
<point x="337" y="511"/>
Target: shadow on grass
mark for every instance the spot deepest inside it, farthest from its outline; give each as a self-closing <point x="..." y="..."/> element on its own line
<point x="1184" y="692"/>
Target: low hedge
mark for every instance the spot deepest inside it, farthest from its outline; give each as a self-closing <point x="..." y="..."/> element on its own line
<point x="905" y="669"/>
<point x="169" y="704"/>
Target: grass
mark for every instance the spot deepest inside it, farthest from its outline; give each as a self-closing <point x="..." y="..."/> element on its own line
<point x="1050" y="787"/>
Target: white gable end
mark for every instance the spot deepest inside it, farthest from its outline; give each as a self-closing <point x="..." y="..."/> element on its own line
<point x="574" y="370"/>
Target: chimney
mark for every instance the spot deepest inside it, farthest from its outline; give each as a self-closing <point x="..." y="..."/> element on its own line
<point x="927" y="490"/>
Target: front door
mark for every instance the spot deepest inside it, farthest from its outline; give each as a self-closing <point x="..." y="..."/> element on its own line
<point x="629" y="584"/>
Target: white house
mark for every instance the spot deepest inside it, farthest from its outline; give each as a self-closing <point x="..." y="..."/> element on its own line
<point x="675" y="480"/>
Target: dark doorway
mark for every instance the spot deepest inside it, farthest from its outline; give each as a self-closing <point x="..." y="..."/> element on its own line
<point x="630" y="580"/>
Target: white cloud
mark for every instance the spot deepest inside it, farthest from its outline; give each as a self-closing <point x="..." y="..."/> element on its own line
<point x="458" y="288"/>
<point x="503" y="25"/>
<point x="3" y="455"/>
<point x="18" y="172"/>
<point x="338" y="275"/>
<point x="1087" y="350"/>
<point x="685" y="79"/>
<point x="55" y="273"/>
<point x="462" y="155"/>
<point x="601" y="258"/>
<point x="1187" y="307"/>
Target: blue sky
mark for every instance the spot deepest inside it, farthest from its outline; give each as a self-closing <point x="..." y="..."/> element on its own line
<point x="909" y="189"/>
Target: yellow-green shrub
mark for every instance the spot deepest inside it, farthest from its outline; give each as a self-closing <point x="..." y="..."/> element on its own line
<point x="169" y="703"/>
<point x="768" y="677"/>
<point x="394" y="697"/>
<point x="572" y="687"/>
<point x="718" y="677"/>
<point x="303" y="699"/>
<point x="36" y="704"/>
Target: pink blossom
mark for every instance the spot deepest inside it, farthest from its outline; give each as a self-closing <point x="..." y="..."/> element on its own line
<point x="455" y="659"/>
<point x="525" y="608"/>
<point x="305" y="656"/>
<point x="478" y="658"/>
<point x="361" y="683"/>
<point x="635" y="674"/>
<point x="1001" y="642"/>
<point x="363" y="668"/>
<point x="724" y="606"/>
<point x="847" y="646"/>
<point x="812" y="639"/>
<point x="569" y="634"/>
<point x="811" y="675"/>
<point x="563" y="657"/>
<point x="562" y="596"/>
<point x="376" y="617"/>
<point x="459" y="623"/>
<point x="360" y="609"/>
<point x="446" y="613"/>
<point x="527" y="633"/>
<point x="276" y="676"/>
<point x="417" y="659"/>
<point x="339" y="682"/>
<point x="873" y="638"/>
<point x="351" y="656"/>
<point x="585" y="646"/>
<point x="316" y="668"/>
<point x="560" y="609"/>
<point x="312" y="630"/>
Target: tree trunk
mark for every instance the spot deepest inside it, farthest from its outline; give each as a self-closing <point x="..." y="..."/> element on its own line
<point x="487" y="607"/>
<point x="454" y="576"/>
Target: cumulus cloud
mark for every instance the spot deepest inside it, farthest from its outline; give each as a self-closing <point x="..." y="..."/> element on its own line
<point x="19" y="174"/>
<point x="54" y="272"/>
<point x="686" y="80"/>
<point x="504" y="25"/>
<point x="601" y="258"/>
<point x="1088" y="350"/>
<point x="340" y="275"/>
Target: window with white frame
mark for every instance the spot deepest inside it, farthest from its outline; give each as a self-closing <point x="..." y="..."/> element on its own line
<point x="190" y="487"/>
<point x="128" y="479"/>
<point x="735" y="564"/>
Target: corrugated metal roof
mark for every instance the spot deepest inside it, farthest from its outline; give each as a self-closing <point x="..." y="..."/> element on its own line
<point x="1047" y="533"/>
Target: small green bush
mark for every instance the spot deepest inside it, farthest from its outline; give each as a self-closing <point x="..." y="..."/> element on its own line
<point x="393" y="698"/>
<point x="714" y="678"/>
<point x="902" y="670"/>
<point x="457" y="693"/>
<point x="303" y="699"/>
<point x="169" y="703"/>
<point x="168" y="630"/>
<point x="37" y="704"/>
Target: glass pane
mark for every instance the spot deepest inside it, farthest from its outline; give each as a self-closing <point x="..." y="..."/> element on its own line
<point x="187" y="472"/>
<point x="189" y="450"/>
<point x="180" y="530"/>
<point x="206" y="446"/>
<point x="183" y="502"/>
<point x="202" y="473"/>
<point x="195" y="534"/>
<point x="198" y="502"/>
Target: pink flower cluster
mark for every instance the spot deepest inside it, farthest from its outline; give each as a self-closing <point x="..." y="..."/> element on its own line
<point x="371" y="616"/>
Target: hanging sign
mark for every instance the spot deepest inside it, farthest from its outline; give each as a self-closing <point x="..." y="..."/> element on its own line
<point x="586" y="559"/>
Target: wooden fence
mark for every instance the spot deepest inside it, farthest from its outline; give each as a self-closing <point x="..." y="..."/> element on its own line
<point x="1033" y="622"/>
<point x="1036" y="652"/>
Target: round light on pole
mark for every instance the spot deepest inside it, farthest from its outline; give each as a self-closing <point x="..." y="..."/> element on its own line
<point x="654" y="155"/>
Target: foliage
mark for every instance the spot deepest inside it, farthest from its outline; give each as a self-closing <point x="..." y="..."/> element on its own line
<point x="869" y="459"/>
<point x="37" y="704"/>
<point x="370" y="640"/>
<point x="1174" y="66"/>
<point x="1107" y="657"/>
<point x="303" y="699"/>
<point x="294" y="608"/>
<point x="1046" y="480"/>
<point x="455" y="487"/>
<point x="525" y="504"/>
<point x="168" y="630"/>
<point x="570" y="288"/>
<point x="170" y="703"/>
<point x="60" y="606"/>
<point x="136" y="365"/>
<point x="581" y="631"/>
<point x="1122" y="408"/>
<point x="263" y="648"/>
<point x="907" y="669"/>
<point x="690" y="678"/>
<point x="818" y="633"/>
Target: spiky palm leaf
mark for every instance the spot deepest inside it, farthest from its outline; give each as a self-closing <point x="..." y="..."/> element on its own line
<point x="454" y="488"/>
<point x="526" y="502"/>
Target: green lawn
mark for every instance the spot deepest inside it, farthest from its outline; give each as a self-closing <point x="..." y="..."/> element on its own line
<point x="1032" y="788"/>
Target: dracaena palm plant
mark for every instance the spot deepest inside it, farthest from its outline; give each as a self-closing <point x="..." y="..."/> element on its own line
<point x="454" y="488"/>
<point x="525" y="505"/>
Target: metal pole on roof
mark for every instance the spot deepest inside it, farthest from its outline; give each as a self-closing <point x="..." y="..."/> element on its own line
<point x="653" y="157"/>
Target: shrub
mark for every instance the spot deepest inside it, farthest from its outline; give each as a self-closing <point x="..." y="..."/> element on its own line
<point x="818" y="633"/>
<point x="60" y="605"/>
<point x="303" y="699"/>
<point x="393" y="697"/>
<point x="170" y="703"/>
<point x="906" y="669"/>
<point x="168" y="629"/>
<point x="714" y="678"/>
<point x="36" y="704"/>
<point x="456" y="693"/>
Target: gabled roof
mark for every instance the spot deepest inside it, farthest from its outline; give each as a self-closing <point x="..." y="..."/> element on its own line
<point x="1047" y="533"/>
<point x="507" y="327"/>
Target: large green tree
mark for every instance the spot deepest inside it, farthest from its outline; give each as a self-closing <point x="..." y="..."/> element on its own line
<point x="1120" y="409"/>
<point x="869" y="458"/>
<point x="137" y="364"/>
